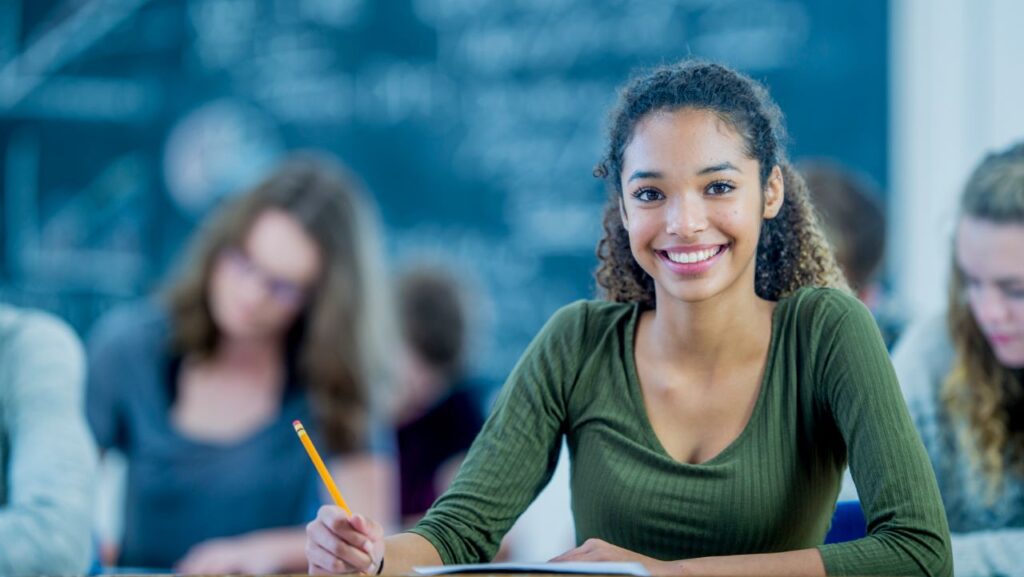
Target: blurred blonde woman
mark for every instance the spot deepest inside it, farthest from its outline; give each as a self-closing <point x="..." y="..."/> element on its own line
<point x="963" y="373"/>
<point x="278" y="313"/>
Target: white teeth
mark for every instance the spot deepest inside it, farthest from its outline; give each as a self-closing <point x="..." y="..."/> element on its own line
<point x="692" y="257"/>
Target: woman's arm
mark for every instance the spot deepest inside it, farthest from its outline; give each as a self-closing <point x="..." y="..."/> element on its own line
<point x="802" y="563"/>
<point x="367" y="481"/>
<point x="45" y="526"/>
<point x="907" y="529"/>
<point x="509" y="463"/>
<point x="922" y="359"/>
<point x="280" y="550"/>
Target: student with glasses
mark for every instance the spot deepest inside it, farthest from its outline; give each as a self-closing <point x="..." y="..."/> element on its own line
<point x="278" y="313"/>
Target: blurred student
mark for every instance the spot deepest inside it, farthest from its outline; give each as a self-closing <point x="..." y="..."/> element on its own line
<point x="439" y="414"/>
<point x="712" y="401"/>
<point x="277" y="314"/>
<point x="47" y="457"/>
<point x="852" y="219"/>
<point x="963" y="374"/>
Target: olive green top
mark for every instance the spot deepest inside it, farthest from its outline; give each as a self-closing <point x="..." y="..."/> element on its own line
<point x="828" y="395"/>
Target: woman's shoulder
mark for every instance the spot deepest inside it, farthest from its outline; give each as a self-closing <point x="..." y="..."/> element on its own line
<point x="822" y="299"/>
<point x="596" y="309"/>
<point x="24" y="330"/>
<point x="822" y="308"/>
<point x="927" y="337"/>
<point x="589" y="317"/>
<point x="135" y="326"/>
<point x="923" y="357"/>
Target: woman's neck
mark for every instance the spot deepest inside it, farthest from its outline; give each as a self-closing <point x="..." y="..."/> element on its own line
<point x="251" y="353"/>
<point x="724" y="329"/>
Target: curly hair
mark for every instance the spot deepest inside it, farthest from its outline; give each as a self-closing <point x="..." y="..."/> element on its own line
<point x="979" y="390"/>
<point x="792" y="250"/>
<point x="340" y="343"/>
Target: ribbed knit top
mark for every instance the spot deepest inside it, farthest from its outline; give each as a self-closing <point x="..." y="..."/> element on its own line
<point x="828" y="396"/>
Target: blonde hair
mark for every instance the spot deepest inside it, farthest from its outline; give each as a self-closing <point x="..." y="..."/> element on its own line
<point x="979" y="388"/>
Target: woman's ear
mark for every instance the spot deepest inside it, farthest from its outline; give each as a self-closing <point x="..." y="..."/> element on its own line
<point x="774" y="193"/>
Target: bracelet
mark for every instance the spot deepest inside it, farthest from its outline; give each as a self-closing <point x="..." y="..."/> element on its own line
<point x="380" y="568"/>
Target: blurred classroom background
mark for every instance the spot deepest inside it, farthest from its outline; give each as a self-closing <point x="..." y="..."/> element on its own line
<point x="474" y="123"/>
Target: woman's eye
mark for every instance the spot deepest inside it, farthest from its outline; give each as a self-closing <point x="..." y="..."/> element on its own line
<point x="647" y="195"/>
<point x="1015" y="293"/>
<point x="717" y="188"/>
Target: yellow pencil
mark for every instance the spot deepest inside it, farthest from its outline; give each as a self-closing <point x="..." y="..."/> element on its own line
<point x="320" y="468"/>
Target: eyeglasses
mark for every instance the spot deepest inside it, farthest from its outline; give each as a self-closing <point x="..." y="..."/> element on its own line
<point x="284" y="292"/>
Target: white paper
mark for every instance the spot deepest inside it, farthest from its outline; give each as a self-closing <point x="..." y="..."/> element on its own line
<point x="595" y="568"/>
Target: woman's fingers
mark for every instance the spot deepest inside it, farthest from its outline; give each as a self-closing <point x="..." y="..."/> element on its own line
<point x="346" y="545"/>
<point x="338" y="543"/>
<point x="590" y="550"/>
<point x="570" y="555"/>
<point x="323" y="562"/>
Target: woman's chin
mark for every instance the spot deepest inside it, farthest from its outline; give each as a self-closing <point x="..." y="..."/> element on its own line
<point x="1010" y="356"/>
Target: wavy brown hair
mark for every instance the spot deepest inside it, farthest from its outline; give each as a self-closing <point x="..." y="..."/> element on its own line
<point x="979" y="390"/>
<point x="792" y="250"/>
<point x="338" y="342"/>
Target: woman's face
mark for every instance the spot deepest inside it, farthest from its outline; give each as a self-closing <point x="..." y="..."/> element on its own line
<point x="258" y="289"/>
<point x="990" y="257"/>
<point x="692" y="204"/>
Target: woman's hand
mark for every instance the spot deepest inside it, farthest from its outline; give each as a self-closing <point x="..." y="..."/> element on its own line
<point x="337" y="543"/>
<point x="598" y="550"/>
<point x="257" y="553"/>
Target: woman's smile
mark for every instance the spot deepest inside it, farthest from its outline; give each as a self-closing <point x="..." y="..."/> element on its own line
<point x="691" y="260"/>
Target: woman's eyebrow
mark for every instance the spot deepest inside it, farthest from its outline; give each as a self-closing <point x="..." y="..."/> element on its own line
<point x="721" y="167"/>
<point x="641" y="174"/>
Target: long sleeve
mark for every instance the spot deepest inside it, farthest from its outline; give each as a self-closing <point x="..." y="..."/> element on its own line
<point x="986" y="536"/>
<point x="45" y="524"/>
<point x="515" y="454"/>
<point x="907" y="530"/>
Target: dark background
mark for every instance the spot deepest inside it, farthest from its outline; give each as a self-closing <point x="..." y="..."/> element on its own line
<point x="475" y="124"/>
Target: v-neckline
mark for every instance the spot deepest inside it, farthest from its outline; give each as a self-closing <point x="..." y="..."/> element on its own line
<point x="637" y="395"/>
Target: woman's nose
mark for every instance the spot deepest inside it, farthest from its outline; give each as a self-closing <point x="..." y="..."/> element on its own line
<point x="687" y="216"/>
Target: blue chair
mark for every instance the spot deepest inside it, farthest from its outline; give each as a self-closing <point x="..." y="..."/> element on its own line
<point x="848" y="523"/>
<point x="95" y="567"/>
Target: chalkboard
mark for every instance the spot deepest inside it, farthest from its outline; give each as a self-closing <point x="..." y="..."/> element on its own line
<point x="475" y="123"/>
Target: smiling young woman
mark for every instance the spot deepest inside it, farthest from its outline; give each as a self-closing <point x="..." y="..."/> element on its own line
<point x="712" y="401"/>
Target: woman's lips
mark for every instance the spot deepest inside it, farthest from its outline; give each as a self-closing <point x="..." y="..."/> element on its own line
<point x="703" y="257"/>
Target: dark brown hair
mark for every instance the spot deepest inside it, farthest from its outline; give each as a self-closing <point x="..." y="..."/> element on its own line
<point x="338" y="341"/>
<point x="851" y="217"/>
<point x="792" y="251"/>
<point x="432" y="316"/>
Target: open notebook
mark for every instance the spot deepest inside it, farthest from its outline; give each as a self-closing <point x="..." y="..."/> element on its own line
<point x="597" y="568"/>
